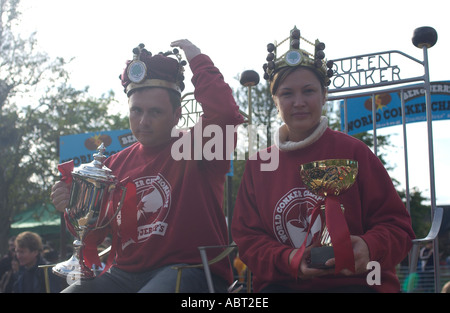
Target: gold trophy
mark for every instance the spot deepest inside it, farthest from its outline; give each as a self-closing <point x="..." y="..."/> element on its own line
<point x="329" y="179"/>
<point x="90" y="208"/>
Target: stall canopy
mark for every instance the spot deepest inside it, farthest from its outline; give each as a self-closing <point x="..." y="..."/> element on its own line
<point x="42" y="219"/>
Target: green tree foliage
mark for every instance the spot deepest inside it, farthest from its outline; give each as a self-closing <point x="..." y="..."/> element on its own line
<point x="420" y="213"/>
<point x="37" y="105"/>
<point x="264" y="111"/>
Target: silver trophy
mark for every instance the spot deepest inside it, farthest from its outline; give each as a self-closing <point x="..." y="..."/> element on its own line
<point x="90" y="208"/>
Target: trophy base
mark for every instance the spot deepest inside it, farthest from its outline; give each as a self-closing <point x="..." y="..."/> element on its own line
<point x="69" y="269"/>
<point x="319" y="256"/>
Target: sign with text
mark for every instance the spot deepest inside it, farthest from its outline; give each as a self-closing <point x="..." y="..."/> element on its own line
<point x="368" y="70"/>
<point x="388" y="108"/>
<point x="81" y="147"/>
<point x="373" y="70"/>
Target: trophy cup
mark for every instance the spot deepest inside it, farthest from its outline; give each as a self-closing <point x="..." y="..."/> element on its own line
<point x="329" y="179"/>
<point x="90" y="208"/>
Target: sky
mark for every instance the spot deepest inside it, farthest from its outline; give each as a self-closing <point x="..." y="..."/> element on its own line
<point x="100" y="36"/>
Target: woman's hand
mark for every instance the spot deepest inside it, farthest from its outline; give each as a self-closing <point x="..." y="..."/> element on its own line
<point x="362" y="257"/>
<point x="360" y="251"/>
<point x="305" y="272"/>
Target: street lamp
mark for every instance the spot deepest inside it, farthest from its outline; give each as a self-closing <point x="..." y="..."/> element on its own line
<point x="423" y="38"/>
<point x="249" y="79"/>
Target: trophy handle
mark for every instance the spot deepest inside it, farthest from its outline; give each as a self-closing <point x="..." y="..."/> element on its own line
<point x="119" y="207"/>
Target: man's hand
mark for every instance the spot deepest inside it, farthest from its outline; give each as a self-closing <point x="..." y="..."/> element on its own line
<point x="60" y="195"/>
<point x="190" y="50"/>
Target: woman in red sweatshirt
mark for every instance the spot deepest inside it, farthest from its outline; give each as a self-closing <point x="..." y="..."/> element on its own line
<point x="272" y="222"/>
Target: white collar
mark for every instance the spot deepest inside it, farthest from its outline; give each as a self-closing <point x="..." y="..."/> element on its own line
<point x="281" y="135"/>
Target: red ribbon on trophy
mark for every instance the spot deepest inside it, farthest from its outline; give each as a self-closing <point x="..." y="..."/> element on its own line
<point x="339" y="233"/>
<point x="66" y="171"/>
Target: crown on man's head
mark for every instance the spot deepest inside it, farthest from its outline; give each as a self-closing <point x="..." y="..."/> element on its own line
<point x="146" y="70"/>
<point x="296" y="56"/>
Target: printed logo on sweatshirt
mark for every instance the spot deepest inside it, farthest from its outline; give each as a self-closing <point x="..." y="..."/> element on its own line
<point x="292" y="216"/>
<point x="153" y="209"/>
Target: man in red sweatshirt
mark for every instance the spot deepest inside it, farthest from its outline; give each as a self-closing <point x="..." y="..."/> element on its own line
<point x="178" y="195"/>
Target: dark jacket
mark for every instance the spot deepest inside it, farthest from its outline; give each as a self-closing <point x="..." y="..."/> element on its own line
<point x="32" y="280"/>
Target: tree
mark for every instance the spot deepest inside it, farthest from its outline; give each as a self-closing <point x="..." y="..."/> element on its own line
<point x="22" y="69"/>
<point x="264" y="111"/>
<point x="30" y="125"/>
<point x="383" y="142"/>
<point x="420" y="213"/>
<point x="65" y="111"/>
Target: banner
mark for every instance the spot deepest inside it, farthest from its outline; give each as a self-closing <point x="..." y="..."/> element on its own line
<point x="81" y="147"/>
<point x="389" y="109"/>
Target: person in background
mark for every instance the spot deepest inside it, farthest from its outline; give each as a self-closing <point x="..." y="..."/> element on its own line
<point x="5" y="262"/>
<point x="8" y="278"/>
<point x="31" y="278"/>
<point x="426" y="268"/>
<point x="273" y="222"/>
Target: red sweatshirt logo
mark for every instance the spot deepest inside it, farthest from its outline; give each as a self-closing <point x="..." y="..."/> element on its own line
<point x="153" y="209"/>
<point x="292" y="216"/>
<point x="154" y="206"/>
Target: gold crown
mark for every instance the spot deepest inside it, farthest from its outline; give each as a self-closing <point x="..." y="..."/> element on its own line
<point x="295" y="56"/>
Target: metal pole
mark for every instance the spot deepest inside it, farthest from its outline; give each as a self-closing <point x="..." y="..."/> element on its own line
<point x="251" y="132"/>
<point x="206" y="269"/>
<point x="250" y="105"/>
<point x="229" y="184"/>
<point x="437" y="284"/>
<point x="345" y="116"/>
<point x="405" y="151"/>
<point x="374" y="123"/>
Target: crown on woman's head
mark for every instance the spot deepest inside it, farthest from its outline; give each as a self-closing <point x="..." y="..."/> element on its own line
<point x="295" y="56"/>
<point x="146" y="70"/>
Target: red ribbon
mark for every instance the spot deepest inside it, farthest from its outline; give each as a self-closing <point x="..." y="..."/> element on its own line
<point x="128" y="220"/>
<point x="129" y="213"/>
<point x="297" y="258"/>
<point x="89" y="251"/>
<point x="66" y="171"/>
<point x="339" y="233"/>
